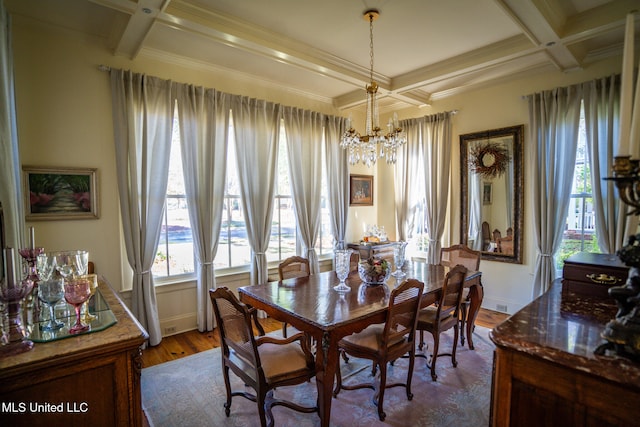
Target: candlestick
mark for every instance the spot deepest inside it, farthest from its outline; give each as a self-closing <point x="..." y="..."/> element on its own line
<point x="12" y="293"/>
<point x="9" y="268"/>
<point x="32" y="238"/>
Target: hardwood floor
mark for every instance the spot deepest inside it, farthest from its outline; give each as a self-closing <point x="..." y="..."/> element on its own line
<point x="192" y="342"/>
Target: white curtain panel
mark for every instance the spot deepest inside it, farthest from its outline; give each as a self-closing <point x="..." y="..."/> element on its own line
<point x="143" y="120"/>
<point x="10" y="187"/>
<point x="554" y="120"/>
<point x="337" y="169"/>
<point x="629" y="116"/>
<point x="204" y="129"/>
<point x="436" y="154"/>
<point x="304" y="146"/>
<point x="475" y="190"/>
<point x="406" y="184"/>
<point x="510" y="185"/>
<point x="257" y="125"/>
<point x="601" y="110"/>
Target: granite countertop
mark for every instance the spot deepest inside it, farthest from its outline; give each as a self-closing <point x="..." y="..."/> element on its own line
<point x="564" y="328"/>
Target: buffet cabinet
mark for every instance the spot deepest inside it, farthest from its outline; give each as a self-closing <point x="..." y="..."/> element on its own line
<point x="545" y="370"/>
<point x="90" y="379"/>
<point x="382" y="250"/>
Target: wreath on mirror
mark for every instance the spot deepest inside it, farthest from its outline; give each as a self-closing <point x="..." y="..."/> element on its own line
<point x="489" y="159"/>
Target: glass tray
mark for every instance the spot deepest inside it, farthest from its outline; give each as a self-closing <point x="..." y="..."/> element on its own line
<point x="66" y="314"/>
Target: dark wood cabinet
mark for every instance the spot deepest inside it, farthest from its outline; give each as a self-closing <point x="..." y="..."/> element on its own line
<point x="593" y="274"/>
<point x="546" y="373"/>
<point x="86" y="380"/>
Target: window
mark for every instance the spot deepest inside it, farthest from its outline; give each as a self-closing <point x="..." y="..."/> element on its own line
<point x="579" y="233"/>
<point x="175" y="256"/>
<point x="233" y="244"/>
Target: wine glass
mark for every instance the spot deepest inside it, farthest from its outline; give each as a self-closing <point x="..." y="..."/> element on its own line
<point x="398" y="258"/>
<point x="93" y="285"/>
<point x="50" y="292"/>
<point x="72" y="263"/>
<point x="342" y="266"/>
<point x="46" y="265"/>
<point x="76" y="292"/>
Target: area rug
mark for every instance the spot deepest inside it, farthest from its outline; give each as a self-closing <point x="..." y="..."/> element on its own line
<point x="190" y="392"/>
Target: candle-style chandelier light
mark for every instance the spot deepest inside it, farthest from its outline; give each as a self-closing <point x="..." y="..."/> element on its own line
<point x="367" y="148"/>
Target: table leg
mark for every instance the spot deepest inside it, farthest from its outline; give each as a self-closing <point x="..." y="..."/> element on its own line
<point x="326" y="364"/>
<point x="476" y="293"/>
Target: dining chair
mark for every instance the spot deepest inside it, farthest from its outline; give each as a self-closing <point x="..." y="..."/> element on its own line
<point x="496" y="235"/>
<point x="292" y="267"/>
<point x="443" y="316"/>
<point x="505" y="245"/>
<point x="262" y="363"/>
<point x="463" y="255"/>
<point x="486" y="236"/>
<point x="383" y="343"/>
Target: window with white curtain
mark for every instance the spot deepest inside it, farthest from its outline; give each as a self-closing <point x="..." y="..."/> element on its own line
<point x="579" y="233"/>
<point x="175" y="255"/>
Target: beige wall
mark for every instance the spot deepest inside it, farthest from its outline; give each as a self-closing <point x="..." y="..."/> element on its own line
<point x="64" y="119"/>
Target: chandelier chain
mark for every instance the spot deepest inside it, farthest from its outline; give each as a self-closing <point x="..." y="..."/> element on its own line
<point x="374" y="143"/>
<point x="371" y="47"/>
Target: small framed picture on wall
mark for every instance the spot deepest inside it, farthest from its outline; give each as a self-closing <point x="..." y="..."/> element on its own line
<point x="487" y="193"/>
<point x="361" y="190"/>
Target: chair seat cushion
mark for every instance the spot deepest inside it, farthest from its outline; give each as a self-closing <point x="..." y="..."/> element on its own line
<point x="370" y="337"/>
<point x="282" y="360"/>
<point x="277" y="361"/>
<point x="427" y="318"/>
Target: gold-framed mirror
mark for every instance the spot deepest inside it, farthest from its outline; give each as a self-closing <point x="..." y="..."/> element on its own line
<point x="491" y="199"/>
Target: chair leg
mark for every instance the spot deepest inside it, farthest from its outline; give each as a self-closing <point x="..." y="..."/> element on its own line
<point x="464" y="311"/>
<point x="412" y="358"/>
<point x="260" y="400"/>
<point x="455" y="345"/>
<point x="227" y="385"/>
<point x="284" y="329"/>
<point x="421" y="340"/>
<point x="338" y="386"/>
<point x="434" y="357"/>
<point x="381" y="387"/>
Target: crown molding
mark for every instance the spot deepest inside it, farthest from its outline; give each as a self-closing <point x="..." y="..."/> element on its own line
<point x="191" y="64"/>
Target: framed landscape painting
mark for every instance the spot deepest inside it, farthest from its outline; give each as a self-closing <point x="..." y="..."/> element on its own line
<point x="60" y="193"/>
<point x="361" y="190"/>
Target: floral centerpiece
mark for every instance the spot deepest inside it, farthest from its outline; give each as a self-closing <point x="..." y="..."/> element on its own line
<point x="374" y="270"/>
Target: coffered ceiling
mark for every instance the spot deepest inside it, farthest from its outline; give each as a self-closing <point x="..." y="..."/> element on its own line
<point x="424" y="50"/>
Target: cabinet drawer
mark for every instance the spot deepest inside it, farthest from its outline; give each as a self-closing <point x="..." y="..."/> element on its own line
<point x="593" y="274"/>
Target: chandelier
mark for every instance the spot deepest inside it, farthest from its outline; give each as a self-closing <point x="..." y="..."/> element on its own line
<point x="367" y="148"/>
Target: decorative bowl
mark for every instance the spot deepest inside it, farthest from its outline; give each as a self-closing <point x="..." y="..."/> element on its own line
<point x="374" y="271"/>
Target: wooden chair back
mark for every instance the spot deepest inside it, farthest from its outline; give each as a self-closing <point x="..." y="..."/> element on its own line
<point x="294" y="266"/>
<point x="460" y="254"/>
<point x="404" y="304"/>
<point x="505" y="245"/>
<point x="234" y="325"/>
<point x="451" y="297"/>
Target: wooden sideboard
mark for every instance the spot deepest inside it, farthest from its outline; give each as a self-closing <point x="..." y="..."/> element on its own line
<point x="368" y="250"/>
<point x="545" y="370"/>
<point x="85" y="380"/>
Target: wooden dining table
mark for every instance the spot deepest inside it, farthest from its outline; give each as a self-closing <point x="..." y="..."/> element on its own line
<point x="311" y="305"/>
